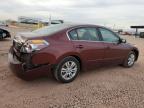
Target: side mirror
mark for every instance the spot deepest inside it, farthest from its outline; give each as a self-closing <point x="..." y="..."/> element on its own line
<point x="123" y="40"/>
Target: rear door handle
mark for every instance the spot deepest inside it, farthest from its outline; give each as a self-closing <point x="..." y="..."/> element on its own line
<point x="79" y="46"/>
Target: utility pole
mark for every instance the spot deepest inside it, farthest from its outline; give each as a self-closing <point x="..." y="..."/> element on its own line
<point x="114" y="26"/>
<point x="49" y="20"/>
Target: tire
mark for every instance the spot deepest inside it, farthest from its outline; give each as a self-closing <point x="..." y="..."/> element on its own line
<point x="130" y="59"/>
<point x="67" y="70"/>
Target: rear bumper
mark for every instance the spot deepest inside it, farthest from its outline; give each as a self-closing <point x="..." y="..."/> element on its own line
<point x="18" y="69"/>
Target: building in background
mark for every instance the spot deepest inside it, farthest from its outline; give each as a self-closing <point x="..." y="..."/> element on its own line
<point x="28" y="20"/>
<point x="31" y="20"/>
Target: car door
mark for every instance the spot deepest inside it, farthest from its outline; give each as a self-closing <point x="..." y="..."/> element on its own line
<point x="87" y="43"/>
<point x="114" y="50"/>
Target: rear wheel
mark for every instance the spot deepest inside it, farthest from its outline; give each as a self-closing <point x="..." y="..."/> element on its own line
<point x="67" y="70"/>
<point x="130" y="60"/>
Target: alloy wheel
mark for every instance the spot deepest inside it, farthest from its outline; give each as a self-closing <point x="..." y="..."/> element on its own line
<point x="4" y="35"/>
<point x="131" y="59"/>
<point x="69" y="70"/>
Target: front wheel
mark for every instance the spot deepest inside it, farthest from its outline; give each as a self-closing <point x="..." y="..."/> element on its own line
<point x="130" y="60"/>
<point x="67" y="70"/>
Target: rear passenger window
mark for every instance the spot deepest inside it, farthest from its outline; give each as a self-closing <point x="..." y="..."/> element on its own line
<point x="73" y="35"/>
<point x="88" y="33"/>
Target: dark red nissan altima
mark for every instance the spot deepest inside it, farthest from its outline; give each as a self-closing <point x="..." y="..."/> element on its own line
<point x="66" y="49"/>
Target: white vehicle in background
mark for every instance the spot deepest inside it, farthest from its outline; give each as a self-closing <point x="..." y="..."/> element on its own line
<point x="2" y="23"/>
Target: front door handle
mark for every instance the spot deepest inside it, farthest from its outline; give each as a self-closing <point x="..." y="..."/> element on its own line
<point x="79" y="46"/>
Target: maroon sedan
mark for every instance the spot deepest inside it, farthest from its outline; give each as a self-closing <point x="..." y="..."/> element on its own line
<point x="66" y="49"/>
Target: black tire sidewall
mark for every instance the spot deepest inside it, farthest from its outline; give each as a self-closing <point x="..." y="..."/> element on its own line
<point x="57" y="72"/>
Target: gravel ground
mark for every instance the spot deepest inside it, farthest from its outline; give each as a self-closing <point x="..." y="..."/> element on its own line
<point x="106" y="87"/>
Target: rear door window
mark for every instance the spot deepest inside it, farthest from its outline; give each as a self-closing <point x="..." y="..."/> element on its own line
<point x="88" y="34"/>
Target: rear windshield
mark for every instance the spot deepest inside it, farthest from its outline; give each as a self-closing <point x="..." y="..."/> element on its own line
<point x="51" y="29"/>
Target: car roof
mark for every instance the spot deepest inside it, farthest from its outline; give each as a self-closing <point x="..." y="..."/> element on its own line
<point x="73" y="25"/>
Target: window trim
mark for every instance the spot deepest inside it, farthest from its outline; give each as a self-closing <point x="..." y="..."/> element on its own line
<point x="70" y="35"/>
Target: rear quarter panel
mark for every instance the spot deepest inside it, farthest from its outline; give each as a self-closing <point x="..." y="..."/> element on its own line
<point x="59" y="48"/>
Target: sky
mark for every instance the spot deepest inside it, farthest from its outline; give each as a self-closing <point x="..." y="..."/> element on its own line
<point x="114" y="13"/>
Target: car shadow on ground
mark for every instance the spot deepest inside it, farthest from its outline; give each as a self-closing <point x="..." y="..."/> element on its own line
<point x="51" y="80"/>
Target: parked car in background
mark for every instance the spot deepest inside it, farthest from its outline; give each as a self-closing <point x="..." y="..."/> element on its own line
<point x="126" y="33"/>
<point x="2" y="23"/>
<point x="141" y="34"/>
<point x="4" y="34"/>
<point x="66" y="49"/>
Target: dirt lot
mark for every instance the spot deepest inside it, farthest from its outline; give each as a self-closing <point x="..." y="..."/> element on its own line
<point x="107" y="87"/>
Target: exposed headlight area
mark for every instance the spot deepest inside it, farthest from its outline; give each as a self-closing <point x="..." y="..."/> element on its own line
<point x="23" y="50"/>
<point x="33" y="45"/>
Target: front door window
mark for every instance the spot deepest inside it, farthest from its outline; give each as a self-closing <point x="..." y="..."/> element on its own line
<point x="108" y="36"/>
